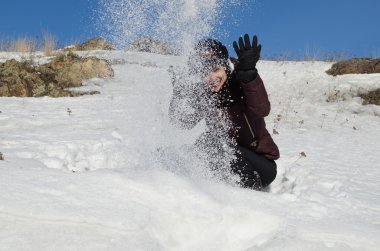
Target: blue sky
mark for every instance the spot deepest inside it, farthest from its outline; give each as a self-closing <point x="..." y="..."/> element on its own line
<point x="68" y="20"/>
<point x="351" y="27"/>
<point x="290" y="27"/>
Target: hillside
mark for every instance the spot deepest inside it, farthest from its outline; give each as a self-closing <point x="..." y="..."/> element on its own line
<point x="109" y="172"/>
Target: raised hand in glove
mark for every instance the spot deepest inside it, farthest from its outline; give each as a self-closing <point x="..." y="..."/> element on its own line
<point x="248" y="55"/>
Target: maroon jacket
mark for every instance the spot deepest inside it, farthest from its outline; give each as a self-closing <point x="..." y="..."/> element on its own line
<point x="249" y="98"/>
<point x="256" y="106"/>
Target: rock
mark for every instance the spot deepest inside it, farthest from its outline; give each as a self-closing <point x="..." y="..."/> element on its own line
<point x="12" y="78"/>
<point x="23" y="79"/>
<point x="71" y="69"/>
<point x="147" y="44"/>
<point x="355" y="66"/>
<point x="93" y="44"/>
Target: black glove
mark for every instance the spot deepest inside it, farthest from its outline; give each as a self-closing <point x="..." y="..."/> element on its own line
<point x="248" y="55"/>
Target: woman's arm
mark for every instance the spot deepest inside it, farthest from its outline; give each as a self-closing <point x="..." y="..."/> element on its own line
<point x="256" y="97"/>
<point x="184" y="109"/>
<point x="257" y="103"/>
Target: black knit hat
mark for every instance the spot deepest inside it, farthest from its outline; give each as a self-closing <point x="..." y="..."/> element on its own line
<point x="209" y="54"/>
<point x="212" y="52"/>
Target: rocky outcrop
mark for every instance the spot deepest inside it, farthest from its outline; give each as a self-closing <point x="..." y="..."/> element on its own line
<point x="69" y="70"/>
<point x="93" y="44"/>
<point x="23" y="79"/>
<point x="355" y="66"/>
<point x="147" y="44"/>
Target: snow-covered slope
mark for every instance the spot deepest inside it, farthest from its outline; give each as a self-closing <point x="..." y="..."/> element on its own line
<point x="108" y="172"/>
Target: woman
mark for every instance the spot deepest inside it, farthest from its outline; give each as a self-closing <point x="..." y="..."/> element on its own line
<point x="236" y="92"/>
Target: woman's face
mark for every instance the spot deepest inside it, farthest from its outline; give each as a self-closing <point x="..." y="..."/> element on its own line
<point x="216" y="78"/>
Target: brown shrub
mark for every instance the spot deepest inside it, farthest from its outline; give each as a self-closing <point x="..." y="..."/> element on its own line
<point x="355" y="66"/>
<point x="371" y="97"/>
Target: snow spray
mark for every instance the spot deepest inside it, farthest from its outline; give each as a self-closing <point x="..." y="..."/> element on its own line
<point x="181" y="23"/>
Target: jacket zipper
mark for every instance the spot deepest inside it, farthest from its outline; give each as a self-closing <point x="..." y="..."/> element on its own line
<point x="254" y="141"/>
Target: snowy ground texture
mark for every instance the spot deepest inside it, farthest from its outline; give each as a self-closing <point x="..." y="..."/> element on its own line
<point x="108" y="172"/>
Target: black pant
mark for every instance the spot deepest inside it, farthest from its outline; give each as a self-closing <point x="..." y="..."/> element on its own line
<point x="254" y="168"/>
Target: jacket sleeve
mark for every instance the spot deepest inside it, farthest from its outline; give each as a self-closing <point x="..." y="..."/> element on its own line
<point x="257" y="103"/>
<point x="184" y="111"/>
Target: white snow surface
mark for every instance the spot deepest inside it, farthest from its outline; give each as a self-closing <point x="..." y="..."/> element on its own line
<point x="88" y="173"/>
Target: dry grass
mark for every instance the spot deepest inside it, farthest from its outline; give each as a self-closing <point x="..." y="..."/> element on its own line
<point x="22" y="44"/>
<point x="375" y="53"/>
<point x="49" y="44"/>
<point x="25" y="44"/>
<point x="310" y="54"/>
<point x="4" y="44"/>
